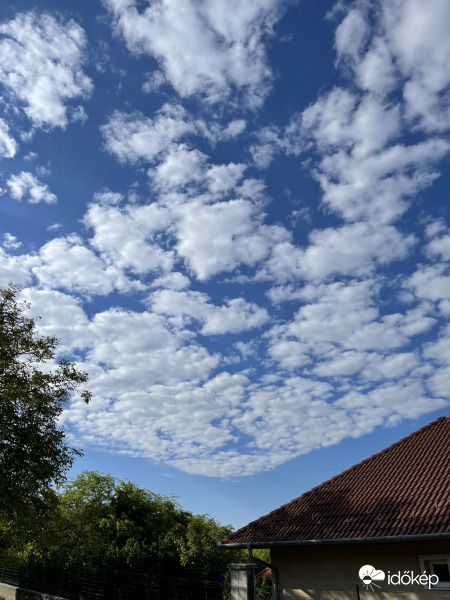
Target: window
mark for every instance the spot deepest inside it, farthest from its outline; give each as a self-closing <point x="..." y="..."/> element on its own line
<point x="437" y="564"/>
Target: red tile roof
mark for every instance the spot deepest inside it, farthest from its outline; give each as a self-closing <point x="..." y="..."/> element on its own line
<point x="264" y="574"/>
<point x="402" y="490"/>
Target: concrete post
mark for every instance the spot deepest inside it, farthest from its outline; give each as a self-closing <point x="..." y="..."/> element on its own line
<point x="242" y="581"/>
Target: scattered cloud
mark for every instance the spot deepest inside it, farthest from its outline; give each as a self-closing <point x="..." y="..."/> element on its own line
<point x="331" y="252"/>
<point x="233" y="234"/>
<point x="10" y="242"/>
<point x="235" y="316"/>
<point x="27" y="186"/>
<point x="68" y="264"/>
<point x="135" y="137"/>
<point x="8" y="145"/>
<point x="410" y="50"/>
<point x="41" y="67"/>
<point x="224" y="330"/>
<point x="203" y="48"/>
<point x="126" y="237"/>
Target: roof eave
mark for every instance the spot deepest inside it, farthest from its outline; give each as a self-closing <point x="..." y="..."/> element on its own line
<point x="361" y="540"/>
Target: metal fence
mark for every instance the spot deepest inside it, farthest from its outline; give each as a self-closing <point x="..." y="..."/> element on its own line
<point x="109" y="584"/>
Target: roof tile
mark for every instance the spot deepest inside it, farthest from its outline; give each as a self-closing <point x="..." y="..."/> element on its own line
<point x="402" y="490"/>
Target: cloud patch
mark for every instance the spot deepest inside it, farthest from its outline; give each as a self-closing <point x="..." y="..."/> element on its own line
<point x="203" y="48"/>
<point x="26" y="186"/>
<point x="41" y="66"/>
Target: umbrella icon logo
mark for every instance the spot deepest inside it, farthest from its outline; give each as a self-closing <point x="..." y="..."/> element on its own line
<point x="369" y="575"/>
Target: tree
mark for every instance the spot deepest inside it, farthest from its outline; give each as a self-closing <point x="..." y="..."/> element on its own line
<point x="198" y="547"/>
<point x="34" y="454"/>
<point x="106" y="521"/>
<point x="101" y="521"/>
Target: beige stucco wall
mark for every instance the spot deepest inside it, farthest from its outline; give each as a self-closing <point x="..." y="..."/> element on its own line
<point x="330" y="572"/>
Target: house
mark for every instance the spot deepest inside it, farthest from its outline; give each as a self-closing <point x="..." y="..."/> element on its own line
<point x="379" y="530"/>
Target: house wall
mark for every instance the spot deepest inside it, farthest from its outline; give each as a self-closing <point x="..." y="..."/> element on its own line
<point x="330" y="572"/>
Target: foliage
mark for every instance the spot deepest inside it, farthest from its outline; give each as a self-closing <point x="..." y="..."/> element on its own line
<point x="198" y="546"/>
<point x="34" y="454"/>
<point x="262" y="554"/>
<point x="103" y="521"/>
<point x="263" y="589"/>
<point x="106" y="521"/>
<point x="226" y="594"/>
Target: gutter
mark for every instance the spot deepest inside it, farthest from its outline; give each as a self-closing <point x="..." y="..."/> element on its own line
<point x="362" y="540"/>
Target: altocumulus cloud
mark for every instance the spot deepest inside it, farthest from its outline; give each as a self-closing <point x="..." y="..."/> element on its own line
<point x="230" y="322"/>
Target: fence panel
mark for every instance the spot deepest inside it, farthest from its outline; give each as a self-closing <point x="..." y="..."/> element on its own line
<point x="93" y="584"/>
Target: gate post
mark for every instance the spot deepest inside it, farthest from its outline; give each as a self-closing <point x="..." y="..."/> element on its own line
<point x="242" y="581"/>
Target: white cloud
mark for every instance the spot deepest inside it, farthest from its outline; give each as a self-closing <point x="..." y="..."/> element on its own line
<point x="337" y="361"/>
<point x="25" y="185"/>
<point x="8" y="145"/>
<point x="338" y="324"/>
<point x="179" y="168"/>
<point x="234" y="316"/>
<point x="106" y="196"/>
<point x="376" y="71"/>
<point x="411" y="49"/>
<point x="361" y="176"/>
<point x="272" y="140"/>
<point x="392" y="366"/>
<point x="352" y="34"/>
<point x="232" y="234"/>
<point x="134" y="137"/>
<point x="125" y="237"/>
<point x="166" y="139"/>
<point x="439" y="383"/>
<point x="203" y="47"/>
<point x="440" y="246"/>
<point x="417" y="33"/>
<point x="138" y="350"/>
<point x="440" y="349"/>
<point x="41" y="65"/>
<point x="289" y="354"/>
<point x="189" y="171"/>
<point x="60" y="315"/>
<point x="389" y="399"/>
<point x="78" y="114"/>
<point x="234" y="129"/>
<point x="172" y="281"/>
<point x="355" y="249"/>
<point x="144" y="371"/>
<point x="283" y="421"/>
<point x="380" y="187"/>
<point x="430" y="282"/>
<point x="54" y="227"/>
<point x="223" y="178"/>
<point x="335" y="313"/>
<point x="364" y="170"/>
<point x="10" y="242"/>
<point x="67" y="263"/>
<point x="153" y="82"/>
<point x="340" y="120"/>
<point x="16" y="269"/>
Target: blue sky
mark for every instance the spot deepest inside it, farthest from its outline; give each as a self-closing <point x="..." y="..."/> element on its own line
<point x="234" y="215"/>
